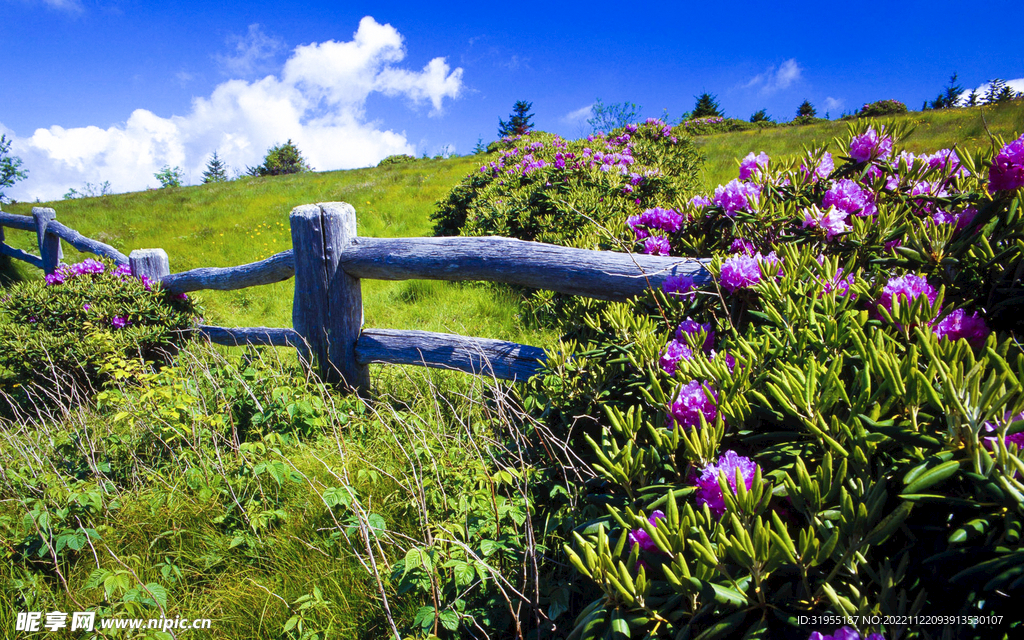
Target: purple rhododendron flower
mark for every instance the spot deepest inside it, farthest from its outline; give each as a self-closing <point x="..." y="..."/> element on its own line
<point x="737" y="196"/>
<point x="958" y="324"/>
<point x="678" y="286"/>
<point x="870" y="146"/>
<point x="90" y="266"/>
<point x="665" y="219"/>
<point x="1007" y="170"/>
<point x="709" y="492"/>
<point x="701" y="201"/>
<point x="740" y="271"/>
<point x="1013" y="438"/>
<point x="692" y="402"/>
<point x="906" y="289"/>
<point x="846" y="195"/>
<point x="120" y="323"/>
<point x="673" y="353"/>
<point x="961" y="219"/>
<point x="123" y="270"/>
<point x="822" y="169"/>
<point x="657" y="246"/>
<point x="753" y="165"/>
<point x="86" y="307"/>
<point x="636" y="225"/>
<point x="742" y="245"/>
<point x="692" y="327"/>
<point x="833" y="220"/>
<point x="57" y="277"/>
<point x="948" y="161"/>
<point x="642" y="538"/>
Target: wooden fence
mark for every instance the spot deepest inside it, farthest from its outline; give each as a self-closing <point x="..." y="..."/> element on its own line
<point x="328" y="260"/>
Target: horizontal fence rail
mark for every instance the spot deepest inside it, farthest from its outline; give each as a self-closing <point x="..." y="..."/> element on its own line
<point x="328" y="260"/>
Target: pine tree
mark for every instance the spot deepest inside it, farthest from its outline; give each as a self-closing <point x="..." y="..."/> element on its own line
<point x="806" y="109"/>
<point x="281" y="159"/>
<point x="518" y="122"/>
<point x="216" y="170"/>
<point x="950" y="95"/>
<point x="760" y="116"/>
<point x="706" y="106"/>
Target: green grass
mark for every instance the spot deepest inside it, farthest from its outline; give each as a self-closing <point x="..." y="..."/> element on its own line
<point x="964" y="128"/>
<point x="232" y="223"/>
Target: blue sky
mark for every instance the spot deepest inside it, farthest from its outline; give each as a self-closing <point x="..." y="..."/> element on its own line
<point x="112" y="91"/>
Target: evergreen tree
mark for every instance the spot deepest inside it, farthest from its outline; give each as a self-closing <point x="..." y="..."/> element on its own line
<point x="998" y="91"/>
<point x="760" y="116"/>
<point x="706" y="106"/>
<point x="216" y="170"/>
<point x="806" y="109"/>
<point x="950" y="95"/>
<point x="518" y="122"/>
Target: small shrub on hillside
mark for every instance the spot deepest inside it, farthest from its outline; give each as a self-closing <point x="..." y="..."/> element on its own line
<point x="281" y="159"/>
<point x="882" y="108"/>
<point x="399" y="158"/>
<point x="805" y="120"/>
<point x="57" y="333"/>
<point x="544" y="188"/>
<point x="783" y="442"/>
<point x="717" y="124"/>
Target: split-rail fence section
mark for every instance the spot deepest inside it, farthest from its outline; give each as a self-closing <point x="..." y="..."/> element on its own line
<point x="328" y="260"/>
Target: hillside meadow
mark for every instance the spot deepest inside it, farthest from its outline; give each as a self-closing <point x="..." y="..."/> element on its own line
<point x="232" y="485"/>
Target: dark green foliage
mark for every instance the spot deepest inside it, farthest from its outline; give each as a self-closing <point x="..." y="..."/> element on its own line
<point x="518" y="122"/>
<point x="612" y="116"/>
<point x="882" y="108"/>
<point x="879" y="491"/>
<point x="806" y="109"/>
<point x="716" y="124"/>
<point x="950" y="95"/>
<point x="56" y="339"/>
<point x="281" y="159"/>
<point x="400" y="158"/>
<point x="760" y="116"/>
<point x="706" y="106"/>
<point x="999" y="91"/>
<point x="216" y="170"/>
<point x="10" y="166"/>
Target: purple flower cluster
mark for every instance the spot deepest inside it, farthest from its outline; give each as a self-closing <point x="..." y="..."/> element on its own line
<point x="657" y="246"/>
<point x="65" y="271"/>
<point x="846" y="195"/>
<point x="823" y="168"/>
<point x="742" y="271"/>
<point x="657" y="218"/>
<point x="905" y="289"/>
<point x="642" y="538"/>
<point x="1007" y="170"/>
<point x="691" y="327"/>
<point x="119" y="322"/>
<point x="679" y="347"/>
<point x="702" y="121"/>
<point x="833" y="221"/>
<point x="691" y="403"/>
<point x="958" y="324"/>
<point x="870" y="146"/>
<point x="673" y="353"/>
<point x="753" y="165"/>
<point x="679" y="286"/>
<point x="709" y="492"/>
<point x="962" y="219"/>
<point x="737" y="196"/>
<point x="1013" y="438"/>
<point x="845" y="633"/>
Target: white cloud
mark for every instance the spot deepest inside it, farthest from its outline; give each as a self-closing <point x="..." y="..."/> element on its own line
<point x="578" y="116"/>
<point x="318" y="102"/>
<point x="1016" y="85"/>
<point x="832" y="105"/>
<point x="252" y="52"/>
<point x="776" y="78"/>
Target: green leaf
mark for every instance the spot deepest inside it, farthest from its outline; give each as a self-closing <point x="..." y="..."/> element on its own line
<point x="931" y="477"/>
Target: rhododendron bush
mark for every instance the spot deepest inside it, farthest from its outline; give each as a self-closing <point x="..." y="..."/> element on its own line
<point x="830" y="430"/>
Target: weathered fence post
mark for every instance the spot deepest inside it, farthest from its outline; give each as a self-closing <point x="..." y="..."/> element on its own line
<point x="49" y="243"/>
<point x="152" y="263"/>
<point x="328" y="309"/>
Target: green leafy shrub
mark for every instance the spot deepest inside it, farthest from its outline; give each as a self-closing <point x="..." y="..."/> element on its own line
<point x="56" y="334"/>
<point x="832" y="428"/>
<point x="281" y="159"/>
<point x="711" y="125"/>
<point x="544" y="188"/>
<point x="882" y="108"/>
<point x="400" y="158"/>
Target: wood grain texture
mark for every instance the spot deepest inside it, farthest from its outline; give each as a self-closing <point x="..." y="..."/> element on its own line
<point x="151" y="263"/>
<point x="273" y="269"/>
<point x="481" y="356"/>
<point x="18" y="254"/>
<point x="261" y="336"/>
<point x="14" y="221"/>
<point x="49" y="243"/>
<point x="606" y="275"/>
<point x="87" y="245"/>
<point x="328" y="310"/>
